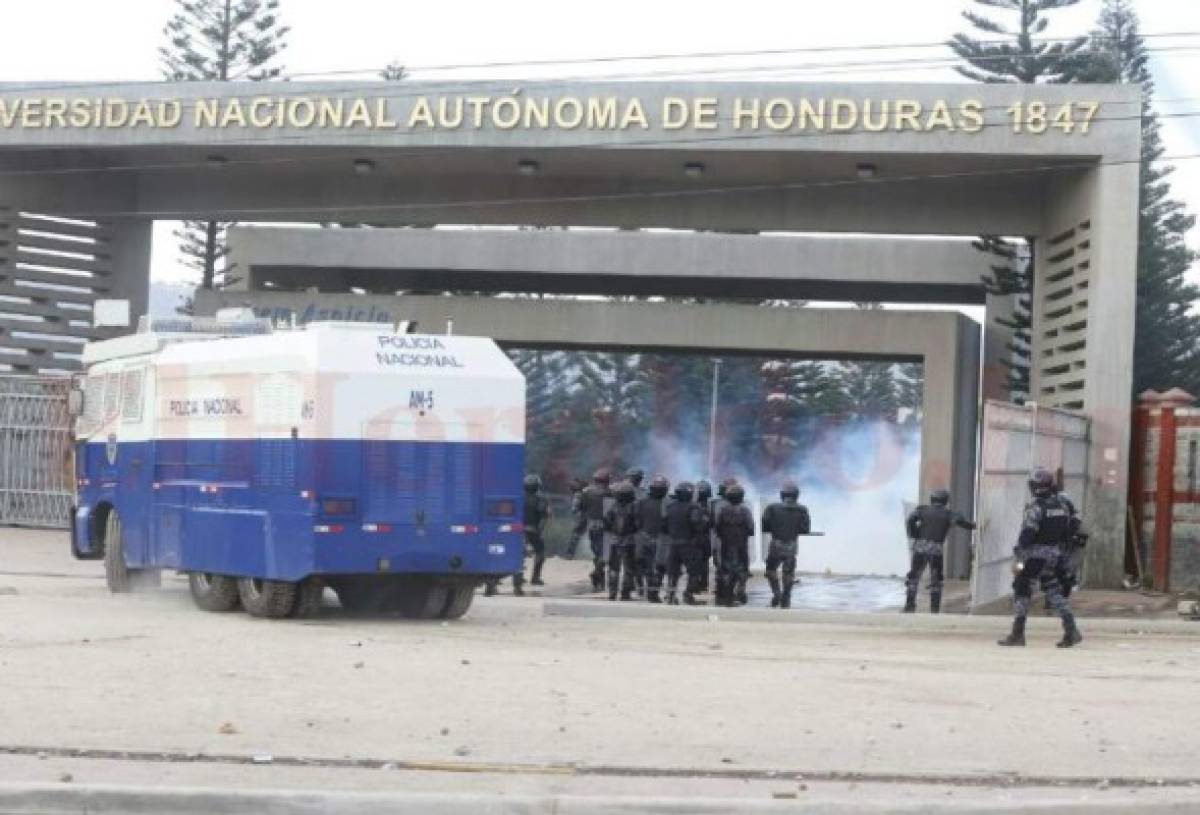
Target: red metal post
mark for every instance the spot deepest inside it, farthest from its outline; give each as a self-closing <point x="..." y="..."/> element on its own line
<point x="1164" y="498"/>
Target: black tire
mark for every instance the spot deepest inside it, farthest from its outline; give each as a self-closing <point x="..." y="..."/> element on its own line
<point x="116" y="572"/>
<point x="266" y="598"/>
<point x="214" y="592"/>
<point x="309" y="596"/>
<point x="458" y="600"/>
<point x="360" y="595"/>
<point x="422" y="598"/>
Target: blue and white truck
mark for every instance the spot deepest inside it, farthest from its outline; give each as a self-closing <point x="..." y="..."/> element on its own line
<point x="270" y="464"/>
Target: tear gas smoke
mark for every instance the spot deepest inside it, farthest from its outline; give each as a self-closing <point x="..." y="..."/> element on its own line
<point x="855" y="481"/>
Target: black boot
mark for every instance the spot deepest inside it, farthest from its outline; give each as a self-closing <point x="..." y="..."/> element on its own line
<point x="1017" y="636"/>
<point x="613" y="583"/>
<point x="935" y="602"/>
<point x="785" y="596"/>
<point x="1071" y="635"/>
<point x="519" y="585"/>
<point x="740" y="595"/>
<point x="773" y="582"/>
<point x="652" y="595"/>
<point x="489" y="588"/>
<point x="537" y="574"/>
<point x="910" y="602"/>
<point x="626" y="594"/>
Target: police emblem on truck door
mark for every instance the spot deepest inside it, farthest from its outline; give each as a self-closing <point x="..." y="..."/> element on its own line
<point x="110" y="449"/>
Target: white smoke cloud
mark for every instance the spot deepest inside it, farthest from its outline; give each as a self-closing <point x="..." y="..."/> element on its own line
<point x="855" y="482"/>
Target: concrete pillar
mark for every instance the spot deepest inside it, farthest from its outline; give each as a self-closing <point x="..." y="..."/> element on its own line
<point x="130" y="246"/>
<point x="950" y="428"/>
<point x="1083" y="313"/>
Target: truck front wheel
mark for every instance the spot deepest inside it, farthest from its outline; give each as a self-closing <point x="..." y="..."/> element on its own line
<point x="458" y="600"/>
<point x="213" y="592"/>
<point x="266" y="598"/>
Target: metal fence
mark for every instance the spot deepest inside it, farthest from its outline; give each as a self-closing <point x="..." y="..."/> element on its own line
<point x="36" y="467"/>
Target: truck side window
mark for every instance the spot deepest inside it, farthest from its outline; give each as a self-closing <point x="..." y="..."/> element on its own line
<point x="93" y="404"/>
<point x="131" y="394"/>
<point x="112" y="396"/>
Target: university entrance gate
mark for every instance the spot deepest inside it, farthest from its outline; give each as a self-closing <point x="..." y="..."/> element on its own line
<point x="1059" y="163"/>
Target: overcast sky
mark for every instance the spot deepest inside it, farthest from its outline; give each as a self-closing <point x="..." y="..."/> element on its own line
<point x="91" y="40"/>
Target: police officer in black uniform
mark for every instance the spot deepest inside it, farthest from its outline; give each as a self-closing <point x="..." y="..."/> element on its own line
<point x="649" y="532"/>
<point x="1068" y="563"/>
<point x="537" y="513"/>
<point x="704" y="544"/>
<point x="683" y="523"/>
<point x="785" y="522"/>
<point x="594" y="502"/>
<point x="579" y="529"/>
<point x="635" y="476"/>
<point x="620" y="522"/>
<point x="734" y="529"/>
<point x="1044" y="531"/>
<point x="928" y="525"/>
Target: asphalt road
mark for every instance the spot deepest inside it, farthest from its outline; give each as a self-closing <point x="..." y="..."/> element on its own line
<point x="148" y="692"/>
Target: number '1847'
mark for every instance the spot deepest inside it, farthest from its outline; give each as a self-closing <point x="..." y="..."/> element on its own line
<point x="1038" y="117"/>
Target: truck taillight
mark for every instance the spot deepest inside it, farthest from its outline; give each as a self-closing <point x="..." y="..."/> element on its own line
<point x="377" y="527"/>
<point x="512" y="528"/>
<point x="328" y="529"/>
<point x="464" y="529"/>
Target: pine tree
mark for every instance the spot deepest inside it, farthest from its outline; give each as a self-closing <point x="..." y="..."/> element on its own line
<point x="219" y="41"/>
<point x="870" y="390"/>
<point x="1009" y="53"/>
<point x="910" y="389"/>
<point x="1167" y="335"/>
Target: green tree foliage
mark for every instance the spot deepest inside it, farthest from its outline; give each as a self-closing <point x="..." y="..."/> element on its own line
<point x="1167" y="338"/>
<point x="1013" y="49"/>
<point x="219" y="41"/>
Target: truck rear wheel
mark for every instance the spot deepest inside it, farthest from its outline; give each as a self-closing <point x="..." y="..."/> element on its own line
<point x="458" y="600"/>
<point x="266" y="598"/>
<point x="421" y="598"/>
<point x="213" y="592"/>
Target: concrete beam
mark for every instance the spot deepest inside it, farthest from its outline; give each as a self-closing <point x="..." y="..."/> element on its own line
<point x="635" y="263"/>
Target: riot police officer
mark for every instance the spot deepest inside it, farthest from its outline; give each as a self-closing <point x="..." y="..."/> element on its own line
<point x="594" y="503"/>
<point x="927" y="526"/>
<point x="620" y="522"/>
<point x="579" y="528"/>
<point x="1044" y="531"/>
<point x="703" y="543"/>
<point x="734" y="527"/>
<point x="785" y="522"/>
<point x="537" y="514"/>
<point x="683" y="523"/>
<point x="649" y="531"/>
<point x="635" y="476"/>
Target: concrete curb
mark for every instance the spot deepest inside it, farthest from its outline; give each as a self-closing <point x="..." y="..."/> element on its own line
<point x="893" y="622"/>
<point x="46" y="799"/>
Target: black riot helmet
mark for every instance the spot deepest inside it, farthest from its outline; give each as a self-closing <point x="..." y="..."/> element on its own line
<point x="703" y="491"/>
<point x="602" y="477"/>
<point x="635" y="475"/>
<point x="1041" y="482"/>
<point x="789" y="491"/>
<point x="734" y="493"/>
<point x="940" y="497"/>
<point x="683" y="491"/>
<point x="659" y="486"/>
<point x="533" y="482"/>
<point x="723" y="487"/>
<point x="625" y="492"/>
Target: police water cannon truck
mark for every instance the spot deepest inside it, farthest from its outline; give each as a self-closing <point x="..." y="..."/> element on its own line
<point x="270" y="464"/>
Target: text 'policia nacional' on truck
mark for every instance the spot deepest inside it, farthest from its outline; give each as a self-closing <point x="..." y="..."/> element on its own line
<point x="268" y="464"/>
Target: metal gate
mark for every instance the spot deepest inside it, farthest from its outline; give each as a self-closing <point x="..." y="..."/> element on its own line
<point x="36" y="467"/>
<point x="1017" y="438"/>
